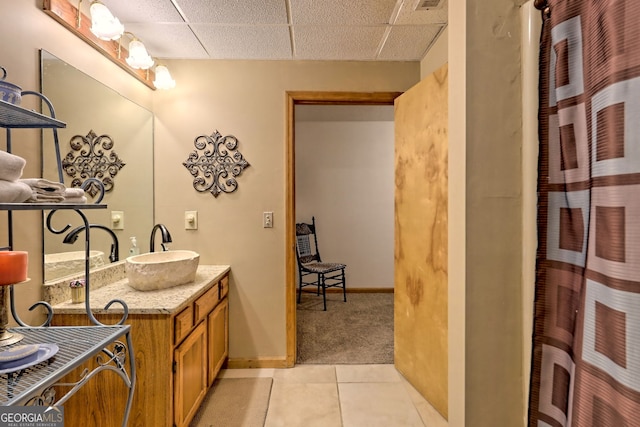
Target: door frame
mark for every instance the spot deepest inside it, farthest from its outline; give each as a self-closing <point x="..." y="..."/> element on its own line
<point x="308" y="98"/>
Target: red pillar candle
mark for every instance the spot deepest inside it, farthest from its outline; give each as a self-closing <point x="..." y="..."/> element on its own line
<point x="13" y="267"/>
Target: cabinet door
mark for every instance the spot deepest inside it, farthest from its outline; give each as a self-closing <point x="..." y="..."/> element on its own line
<point x="190" y="378"/>
<point x="218" y="338"/>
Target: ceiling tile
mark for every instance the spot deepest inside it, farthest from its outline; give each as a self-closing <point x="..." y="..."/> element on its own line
<point x="128" y="11"/>
<point x="245" y="42"/>
<point x="234" y="12"/>
<point x="169" y="40"/>
<point x="337" y="43"/>
<point x="421" y="37"/>
<point x="357" y="12"/>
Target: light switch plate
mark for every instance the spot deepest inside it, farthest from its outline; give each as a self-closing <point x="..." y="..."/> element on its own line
<point x="267" y="219"/>
<point x="191" y="220"/>
<point x="117" y="220"/>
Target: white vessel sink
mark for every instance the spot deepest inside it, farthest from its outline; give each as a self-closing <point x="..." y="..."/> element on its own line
<point x="161" y="270"/>
<point x="67" y="263"/>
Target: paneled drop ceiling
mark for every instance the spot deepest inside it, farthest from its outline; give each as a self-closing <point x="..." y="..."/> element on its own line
<point x="347" y="30"/>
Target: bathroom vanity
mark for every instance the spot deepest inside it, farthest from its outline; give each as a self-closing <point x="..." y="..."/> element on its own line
<point x="180" y="337"/>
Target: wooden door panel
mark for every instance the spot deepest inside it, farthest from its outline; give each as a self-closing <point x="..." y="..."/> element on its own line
<point x="421" y="249"/>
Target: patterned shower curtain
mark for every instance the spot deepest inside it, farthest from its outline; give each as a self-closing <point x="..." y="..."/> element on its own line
<point x="586" y="343"/>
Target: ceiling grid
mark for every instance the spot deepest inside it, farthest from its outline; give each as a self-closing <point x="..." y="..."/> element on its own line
<point x="348" y="30"/>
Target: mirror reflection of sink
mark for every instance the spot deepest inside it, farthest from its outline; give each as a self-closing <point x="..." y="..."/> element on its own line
<point x="161" y="270"/>
<point x="68" y="263"/>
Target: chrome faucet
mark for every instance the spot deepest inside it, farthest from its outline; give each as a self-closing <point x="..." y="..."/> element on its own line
<point x="73" y="236"/>
<point x="166" y="237"/>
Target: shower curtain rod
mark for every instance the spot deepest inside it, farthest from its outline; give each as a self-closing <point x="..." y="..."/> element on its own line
<point x="540" y="4"/>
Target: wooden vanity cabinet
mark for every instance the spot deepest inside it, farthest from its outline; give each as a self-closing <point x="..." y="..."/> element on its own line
<point x="190" y="386"/>
<point x="178" y="356"/>
<point x="218" y="342"/>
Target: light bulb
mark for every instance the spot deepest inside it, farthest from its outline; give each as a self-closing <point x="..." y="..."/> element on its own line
<point x="163" y="78"/>
<point x="138" y="56"/>
<point x="104" y="25"/>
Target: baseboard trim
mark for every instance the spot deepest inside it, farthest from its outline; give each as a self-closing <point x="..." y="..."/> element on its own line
<point x="261" y="362"/>
<point x="357" y="290"/>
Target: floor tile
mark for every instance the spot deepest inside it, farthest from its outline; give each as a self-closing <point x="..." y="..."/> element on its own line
<point x="307" y="374"/>
<point x="308" y="405"/>
<point x="246" y="373"/>
<point x="367" y="374"/>
<point x="377" y="405"/>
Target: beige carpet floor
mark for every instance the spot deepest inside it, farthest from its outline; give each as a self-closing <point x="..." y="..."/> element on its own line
<point x="359" y="331"/>
<point x="235" y="402"/>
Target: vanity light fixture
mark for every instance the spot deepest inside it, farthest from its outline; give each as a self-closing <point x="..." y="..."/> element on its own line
<point x="104" y="25"/>
<point x="163" y="78"/>
<point x="66" y="13"/>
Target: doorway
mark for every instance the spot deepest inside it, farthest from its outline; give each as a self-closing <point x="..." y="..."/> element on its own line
<point x="309" y="98"/>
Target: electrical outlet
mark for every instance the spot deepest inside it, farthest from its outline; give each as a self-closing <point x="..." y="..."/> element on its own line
<point x="267" y="219"/>
<point x="191" y="220"/>
<point x="117" y="220"/>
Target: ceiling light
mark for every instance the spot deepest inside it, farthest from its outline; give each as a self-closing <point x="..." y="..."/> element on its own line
<point x="104" y="25"/>
<point x="138" y="55"/>
<point x="163" y="78"/>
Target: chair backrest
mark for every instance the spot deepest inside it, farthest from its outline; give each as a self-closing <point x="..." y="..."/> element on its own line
<point x="307" y="242"/>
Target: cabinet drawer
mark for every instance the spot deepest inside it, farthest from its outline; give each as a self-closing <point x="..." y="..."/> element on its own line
<point x="182" y="324"/>
<point x="206" y="302"/>
<point x="224" y="286"/>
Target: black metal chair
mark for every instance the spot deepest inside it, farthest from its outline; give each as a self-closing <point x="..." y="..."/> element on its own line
<point x="314" y="272"/>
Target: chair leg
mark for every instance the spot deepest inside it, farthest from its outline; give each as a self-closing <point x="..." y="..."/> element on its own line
<point x="344" y="286"/>
<point x="324" y="293"/>
<point x="300" y="290"/>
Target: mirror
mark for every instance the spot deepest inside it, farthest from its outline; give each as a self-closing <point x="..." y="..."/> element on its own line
<point x="86" y="106"/>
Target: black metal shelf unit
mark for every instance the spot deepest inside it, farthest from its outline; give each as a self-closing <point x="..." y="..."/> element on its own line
<point x="34" y="385"/>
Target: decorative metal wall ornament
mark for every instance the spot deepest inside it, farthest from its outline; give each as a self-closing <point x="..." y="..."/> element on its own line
<point x="94" y="160"/>
<point x="215" y="169"/>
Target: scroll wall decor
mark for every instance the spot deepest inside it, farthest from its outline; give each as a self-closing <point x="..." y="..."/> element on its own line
<point x="216" y="163"/>
<point x="92" y="157"/>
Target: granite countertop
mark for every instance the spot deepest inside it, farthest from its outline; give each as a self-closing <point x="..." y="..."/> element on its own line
<point x="163" y="301"/>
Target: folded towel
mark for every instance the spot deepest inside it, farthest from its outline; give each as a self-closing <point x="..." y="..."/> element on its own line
<point x="75" y="200"/>
<point x="44" y="186"/>
<point x="14" y="192"/>
<point x="44" y="198"/>
<point x="71" y="193"/>
<point x="11" y="166"/>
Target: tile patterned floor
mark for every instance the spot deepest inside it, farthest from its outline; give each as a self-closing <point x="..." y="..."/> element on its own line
<point x="342" y="396"/>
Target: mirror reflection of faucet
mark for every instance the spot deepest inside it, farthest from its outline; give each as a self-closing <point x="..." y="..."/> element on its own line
<point x="134" y="249"/>
<point x="73" y="236"/>
<point x="166" y="237"/>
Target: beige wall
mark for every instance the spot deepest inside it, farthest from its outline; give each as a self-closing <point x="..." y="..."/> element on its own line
<point x="437" y="55"/>
<point x="485" y="194"/>
<point x="344" y="177"/>
<point x="246" y="99"/>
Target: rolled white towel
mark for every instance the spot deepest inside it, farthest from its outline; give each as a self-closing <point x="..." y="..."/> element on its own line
<point x="72" y="193"/>
<point x="44" y="186"/>
<point x="14" y="192"/>
<point x="11" y="166"/>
